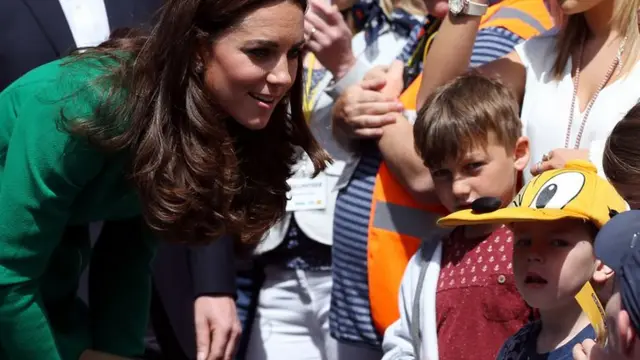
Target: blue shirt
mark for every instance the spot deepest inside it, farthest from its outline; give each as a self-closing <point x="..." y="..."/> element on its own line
<point x="522" y="345"/>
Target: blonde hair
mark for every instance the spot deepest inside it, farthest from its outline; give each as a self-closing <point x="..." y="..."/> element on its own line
<point x="462" y="114"/>
<point x="414" y="7"/>
<point x="573" y="29"/>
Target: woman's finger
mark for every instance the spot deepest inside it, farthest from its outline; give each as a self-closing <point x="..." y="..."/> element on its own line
<point x="375" y="108"/>
<point x="369" y="133"/>
<point x="372" y="121"/>
<point x="313" y="45"/>
<point x="315" y="21"/>
<point x="326" y="11"/>
<point x="374" y="84"/>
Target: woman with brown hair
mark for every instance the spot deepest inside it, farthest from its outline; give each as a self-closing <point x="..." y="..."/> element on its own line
<point x="195" y="126"/>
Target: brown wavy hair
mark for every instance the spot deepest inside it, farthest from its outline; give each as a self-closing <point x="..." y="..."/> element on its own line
<point x="199" y="173"/>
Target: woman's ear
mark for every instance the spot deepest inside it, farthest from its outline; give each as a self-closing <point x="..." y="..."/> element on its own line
<point x="521" y="153"/>
<point x="602" y="273"/>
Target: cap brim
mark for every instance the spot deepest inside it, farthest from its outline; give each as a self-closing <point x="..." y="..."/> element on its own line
<point x="507" y="215"/>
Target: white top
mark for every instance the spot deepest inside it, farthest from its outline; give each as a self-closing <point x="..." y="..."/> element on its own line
<point x="87" y="20"/>
<point x="547" y="104"/>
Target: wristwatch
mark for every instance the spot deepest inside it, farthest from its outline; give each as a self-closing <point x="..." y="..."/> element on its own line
<point x="467" y="7"/>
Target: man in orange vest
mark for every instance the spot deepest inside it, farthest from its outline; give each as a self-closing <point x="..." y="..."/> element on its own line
<point x="402" y="209"/>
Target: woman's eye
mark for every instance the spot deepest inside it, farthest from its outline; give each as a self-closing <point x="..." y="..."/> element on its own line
<point x="258" y="53"/>
<point x="294" y="53"/>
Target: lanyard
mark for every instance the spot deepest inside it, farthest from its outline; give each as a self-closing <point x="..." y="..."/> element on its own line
<point x="308" y="100"/>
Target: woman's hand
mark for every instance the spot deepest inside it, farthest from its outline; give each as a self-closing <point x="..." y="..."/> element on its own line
<point x="217" y="327"/>
<point x="363" y="110"/>
<point x="329" y="38"/>
<point x="557" y="158"/>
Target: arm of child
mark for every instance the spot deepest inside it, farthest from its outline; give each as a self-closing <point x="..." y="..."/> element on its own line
<point x="397" y="343"/>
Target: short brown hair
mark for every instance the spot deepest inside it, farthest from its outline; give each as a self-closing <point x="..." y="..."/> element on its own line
<point x="461" y="114"/>
<point x="621" y="159"/>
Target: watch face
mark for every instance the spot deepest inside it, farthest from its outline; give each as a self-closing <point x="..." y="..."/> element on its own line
<point x="456" y="6"/>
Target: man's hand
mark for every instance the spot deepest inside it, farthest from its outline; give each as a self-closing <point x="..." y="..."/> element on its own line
<point x="329" y="38"/>
<point x="217" y="327"/>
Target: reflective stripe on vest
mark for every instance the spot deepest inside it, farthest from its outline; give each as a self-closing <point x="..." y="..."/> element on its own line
<point x="513" y="13"/>
<point x="397" y="222"/>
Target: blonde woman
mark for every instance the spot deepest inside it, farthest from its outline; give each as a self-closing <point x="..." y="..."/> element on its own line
<point x="575" y="82"/>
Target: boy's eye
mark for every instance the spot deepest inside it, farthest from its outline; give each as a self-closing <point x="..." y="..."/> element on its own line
<point x="522" y="243"/>
<point x="440" y="174"/>
<point x="559" y="243"/>
<point x="474" y="166"/>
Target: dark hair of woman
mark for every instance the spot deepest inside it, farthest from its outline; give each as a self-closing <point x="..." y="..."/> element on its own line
<point x="199" y="173"/>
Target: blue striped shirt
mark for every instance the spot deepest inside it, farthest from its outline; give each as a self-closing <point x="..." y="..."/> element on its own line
<point x="350" y="315"/>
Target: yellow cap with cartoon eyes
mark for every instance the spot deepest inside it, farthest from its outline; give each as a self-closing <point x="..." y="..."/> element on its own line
<point x="576" y="191"/>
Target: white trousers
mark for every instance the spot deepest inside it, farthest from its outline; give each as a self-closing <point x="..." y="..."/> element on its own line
<point x="292" y="320"/>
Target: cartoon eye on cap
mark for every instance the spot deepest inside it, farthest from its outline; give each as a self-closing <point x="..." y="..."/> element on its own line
<point x="558" y="191"/>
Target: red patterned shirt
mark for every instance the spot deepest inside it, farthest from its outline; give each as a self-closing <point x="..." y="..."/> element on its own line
<point x="477" y="304"/>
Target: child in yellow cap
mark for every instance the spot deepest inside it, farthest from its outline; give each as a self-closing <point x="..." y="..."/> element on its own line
<point x="554" y="219"/>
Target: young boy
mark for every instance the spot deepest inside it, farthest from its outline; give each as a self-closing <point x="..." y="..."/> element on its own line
<point x="458" y="299"/>
<point x="554" y="219"/>
<point x="618" y="246"/>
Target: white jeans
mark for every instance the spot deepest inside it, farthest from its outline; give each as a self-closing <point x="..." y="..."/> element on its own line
<point x="292" y="320"/>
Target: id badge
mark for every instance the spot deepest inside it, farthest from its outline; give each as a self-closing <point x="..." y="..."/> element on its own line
<point x="307" y="193"/>
<point x="592" y="306"/>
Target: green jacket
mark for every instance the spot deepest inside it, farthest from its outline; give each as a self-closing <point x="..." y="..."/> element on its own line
<point x="48" y="180"/>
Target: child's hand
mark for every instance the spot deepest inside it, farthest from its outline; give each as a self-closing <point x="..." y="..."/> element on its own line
<point x="588" y="350"/>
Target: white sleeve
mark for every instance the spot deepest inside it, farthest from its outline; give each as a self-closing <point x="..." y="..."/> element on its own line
<point x="596" y="153"/>
<point x="397" y="344"/>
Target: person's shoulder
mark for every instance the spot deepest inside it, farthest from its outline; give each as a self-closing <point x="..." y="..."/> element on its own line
<point x="516" y="345"/>
<point x="73" y="84"/>
<point x="542" y="44"/>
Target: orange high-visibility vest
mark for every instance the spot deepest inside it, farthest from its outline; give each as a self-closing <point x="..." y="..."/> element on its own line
<point x="397" y="222"/>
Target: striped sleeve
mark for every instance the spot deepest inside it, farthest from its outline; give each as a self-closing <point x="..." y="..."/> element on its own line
<point x="493" y="43"/>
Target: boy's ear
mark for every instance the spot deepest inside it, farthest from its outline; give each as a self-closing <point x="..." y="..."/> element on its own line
<point x="521" y="153"/>
<point x="602" y="273"/>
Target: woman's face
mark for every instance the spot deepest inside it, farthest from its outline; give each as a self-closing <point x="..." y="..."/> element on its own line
<point x="250" y="68"/>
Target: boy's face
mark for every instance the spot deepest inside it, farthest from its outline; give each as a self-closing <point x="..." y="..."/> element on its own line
<point x="621" y="337"/>
<point x="489" y="171"/>
<point x="612" y="310"/>
<point x="552" y="260"/>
